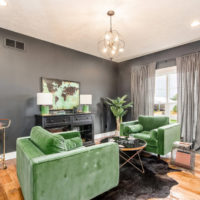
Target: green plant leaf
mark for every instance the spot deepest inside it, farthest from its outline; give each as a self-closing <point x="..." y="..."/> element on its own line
<point x="107" y="102"/>
<point x="124" y="97"/>
<point x="118" y="106"/>
<point x="123" y="113"/>
<point x="129" y="105"/>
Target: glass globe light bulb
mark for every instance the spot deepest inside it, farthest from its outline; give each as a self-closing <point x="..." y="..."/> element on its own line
<point x="116" y="38"/>
<point x="121" y="50"/>
<point x="114" y="47"/>
<point x="113" y="52"/>
<point x="104" y="50"/>
<point x="107" y="37"/>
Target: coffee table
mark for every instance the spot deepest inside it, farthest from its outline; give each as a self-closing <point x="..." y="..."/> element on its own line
<point x="132" y="145"/>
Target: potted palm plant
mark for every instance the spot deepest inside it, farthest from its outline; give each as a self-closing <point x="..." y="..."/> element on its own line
<point x="119" y="108"/>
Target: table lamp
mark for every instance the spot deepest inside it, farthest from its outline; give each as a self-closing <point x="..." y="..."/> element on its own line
<point x="85" y="100"/>
<point x="44" y="100"/>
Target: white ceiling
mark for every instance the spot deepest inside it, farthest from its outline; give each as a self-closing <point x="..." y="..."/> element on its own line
<point x="147" y="26"/>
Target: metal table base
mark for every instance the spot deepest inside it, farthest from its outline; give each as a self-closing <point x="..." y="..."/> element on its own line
<point x="128" y="159"/>
<point x="3" y="159"/>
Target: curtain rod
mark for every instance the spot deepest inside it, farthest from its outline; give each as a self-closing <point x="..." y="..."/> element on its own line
<point x="171" y="59"/>
<point x="191" y="53"/>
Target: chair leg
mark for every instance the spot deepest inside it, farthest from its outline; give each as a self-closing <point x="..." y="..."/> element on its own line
<point x="158" y="156"/>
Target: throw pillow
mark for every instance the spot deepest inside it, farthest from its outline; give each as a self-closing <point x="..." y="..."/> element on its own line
<point x="133" y="129"/>
<point x="47" y="142"/>
<point x="73" y="143"/>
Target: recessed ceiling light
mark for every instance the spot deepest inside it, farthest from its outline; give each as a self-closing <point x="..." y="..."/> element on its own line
<point x="3" y="3"/>
<point x="195" y="23"/>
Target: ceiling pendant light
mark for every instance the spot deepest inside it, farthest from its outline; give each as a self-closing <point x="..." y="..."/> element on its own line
<point x="111" y="45"/>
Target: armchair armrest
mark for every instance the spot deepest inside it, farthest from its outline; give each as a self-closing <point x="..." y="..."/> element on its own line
<point x="84" y="173"/>
<point x="26" y="151"/>
<point x="167" y="135"/>
<point x="124" y="124"/>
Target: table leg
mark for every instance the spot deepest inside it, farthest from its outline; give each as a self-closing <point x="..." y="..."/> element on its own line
<point x="4" y="149"/>
<point x="129" y="158"/>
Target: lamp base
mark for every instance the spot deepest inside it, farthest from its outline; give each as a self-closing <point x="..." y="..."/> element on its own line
<point x="85" y="109"/>
<point x="44" y="110"/>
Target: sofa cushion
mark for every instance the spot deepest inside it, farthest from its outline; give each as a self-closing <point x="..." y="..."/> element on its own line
<point x="153" y="122"/>
<point x="47" y="142"/>
<point x="146" y="135"/>
<point x="133" y="129"/>
<point x="73" y="143"/>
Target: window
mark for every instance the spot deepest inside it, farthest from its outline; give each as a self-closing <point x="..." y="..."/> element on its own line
<point x="165" y="102"/>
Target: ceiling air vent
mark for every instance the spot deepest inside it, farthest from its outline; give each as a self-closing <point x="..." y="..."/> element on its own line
<point x="19" y="45"/>
<point x="14" y="44"/>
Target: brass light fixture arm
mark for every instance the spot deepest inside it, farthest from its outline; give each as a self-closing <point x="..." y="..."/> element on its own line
<point x="110" y="13"/>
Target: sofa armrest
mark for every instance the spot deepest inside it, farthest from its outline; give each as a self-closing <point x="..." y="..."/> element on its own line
<point x="79" y="174"/>
<point x="154" y="133"/>
<point x="69" y="134"/>
<point x="124" y="124"/>
<point x="167" y="135"/>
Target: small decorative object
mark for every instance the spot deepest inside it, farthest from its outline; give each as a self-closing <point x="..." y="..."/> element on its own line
<point x="4" y="124"/>
<point x="119" y="108"/>
<point x="182" y="155"/>
<point x="75" y="109"/>
<point x="44" y="100"/>
<point x="85" y="100"/>
<point x="65" y="93"/>
<point x="112" y="44"/>
<point x="131" y="138"/>
<point x="61" y="112"/>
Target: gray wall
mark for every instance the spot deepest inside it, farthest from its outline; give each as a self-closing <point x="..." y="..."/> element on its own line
<point x="163" y="58"/>
<point x="21" y="72"/>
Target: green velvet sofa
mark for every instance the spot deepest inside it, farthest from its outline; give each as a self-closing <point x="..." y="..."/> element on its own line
<point x="81" y="173"/>
<point x="155" y="130"/>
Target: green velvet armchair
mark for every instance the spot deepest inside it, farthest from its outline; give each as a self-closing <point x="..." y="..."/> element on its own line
<point x="79" y="174"/>
<point x="155" y="130"/>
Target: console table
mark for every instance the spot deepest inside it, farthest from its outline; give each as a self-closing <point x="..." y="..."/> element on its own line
<point x="82" y="122"/>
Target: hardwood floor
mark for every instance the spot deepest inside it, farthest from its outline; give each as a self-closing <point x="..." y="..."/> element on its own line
<point x="187" y="189"/>
<point x="9" y="185"/>
<point x="189" y="183"/>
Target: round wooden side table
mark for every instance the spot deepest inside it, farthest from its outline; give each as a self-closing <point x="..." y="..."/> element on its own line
<point x="132" y="145"/>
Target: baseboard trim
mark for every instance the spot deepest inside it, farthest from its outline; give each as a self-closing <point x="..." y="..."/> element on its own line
<point x="102" y="135"/>
<point x="10" y="155"/>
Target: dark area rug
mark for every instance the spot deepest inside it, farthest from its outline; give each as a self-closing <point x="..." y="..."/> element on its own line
<point x="154" y="183"/>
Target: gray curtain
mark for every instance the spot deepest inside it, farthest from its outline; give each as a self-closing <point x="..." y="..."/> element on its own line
<point x="143" y="89"/>
<point x="188" y="80"/>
